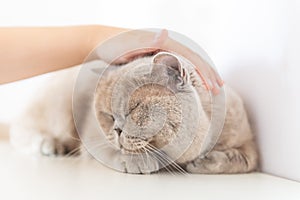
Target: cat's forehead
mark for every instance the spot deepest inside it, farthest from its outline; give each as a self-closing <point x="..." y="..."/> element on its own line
<point x="142" y="68"/>
<point x="145" y="66"/>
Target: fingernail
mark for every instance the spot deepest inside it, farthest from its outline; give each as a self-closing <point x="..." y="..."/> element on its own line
<point x="210" y="84"/>
<point x="215" y="91"/>
<point x="221" y="83"/>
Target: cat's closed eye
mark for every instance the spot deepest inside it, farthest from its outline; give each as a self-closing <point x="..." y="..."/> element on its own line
<point x="133" y="107"/>
<point x="107" y="115"/>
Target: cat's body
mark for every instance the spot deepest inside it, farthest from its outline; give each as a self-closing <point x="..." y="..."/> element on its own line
<point x="47" y="126"/>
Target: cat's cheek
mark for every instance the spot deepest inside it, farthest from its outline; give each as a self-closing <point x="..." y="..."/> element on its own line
<point x="113" y="139"/>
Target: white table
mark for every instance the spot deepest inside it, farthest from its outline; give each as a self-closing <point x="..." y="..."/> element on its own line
<point x="24" y="177"/>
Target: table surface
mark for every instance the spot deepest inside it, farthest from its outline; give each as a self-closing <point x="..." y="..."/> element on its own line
<point x="26" y="177"/>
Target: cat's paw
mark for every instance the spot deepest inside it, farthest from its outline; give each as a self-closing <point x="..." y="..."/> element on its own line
<point x="215" y="162"/>
<point x="139" y="164"/>
<point x="52" y="147"/>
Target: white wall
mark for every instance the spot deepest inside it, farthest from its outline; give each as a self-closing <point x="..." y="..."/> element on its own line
<point x="254" y="44"/>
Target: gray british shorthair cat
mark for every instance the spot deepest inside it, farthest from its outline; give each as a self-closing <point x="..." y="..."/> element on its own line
<point x="155" y="105"/>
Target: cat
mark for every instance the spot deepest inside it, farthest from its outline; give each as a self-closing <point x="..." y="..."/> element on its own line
<point x="47" y="125"/>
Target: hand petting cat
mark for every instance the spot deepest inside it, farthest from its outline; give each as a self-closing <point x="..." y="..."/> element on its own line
<point x="27" y="52"/>
<point x="131" y="45"/>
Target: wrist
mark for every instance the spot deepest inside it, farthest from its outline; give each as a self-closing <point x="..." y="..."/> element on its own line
<point x="98" y="34"/>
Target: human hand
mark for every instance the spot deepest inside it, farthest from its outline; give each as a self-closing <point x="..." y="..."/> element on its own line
<point x="209" y="76"/>
<point x="136" y="44"/>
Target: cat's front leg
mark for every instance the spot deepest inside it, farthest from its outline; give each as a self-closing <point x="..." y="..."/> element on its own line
<point x="215" y="162"/>
<point x="36" y="142"/>
<point x="228" y="161"/>
<point x="141" y="163"/>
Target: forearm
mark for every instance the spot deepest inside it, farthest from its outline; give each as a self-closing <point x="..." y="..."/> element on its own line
<point x="26" y="52"/>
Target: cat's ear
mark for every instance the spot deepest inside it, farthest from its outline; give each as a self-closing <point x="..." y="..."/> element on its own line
<point x="172" y="61"/>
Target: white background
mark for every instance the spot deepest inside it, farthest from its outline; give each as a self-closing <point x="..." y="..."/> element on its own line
<point x="254" y="44"/>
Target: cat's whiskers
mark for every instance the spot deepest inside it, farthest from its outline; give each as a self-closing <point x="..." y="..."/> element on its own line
<point x="73" y="152"/>
<point x="147" y="156"/>
<point x="70" y="155"/>
<point x="167" y="159"/>
<point x="161" y="161"/>
<point x="97" y="139"/>
<point x="140" y="154"/>
<point x="92" y="142"/>
<point x="97" y="147"/>
<point x="74" y="138"/>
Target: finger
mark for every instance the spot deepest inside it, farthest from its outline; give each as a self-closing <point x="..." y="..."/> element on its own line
<point x="219" y="79"/>
<point x="160" y="38"/>
<point x="141" y="52"/>
<point x="220" y="82"/>
<point x="120" y="60"/>
<point x="215" y="91"/>
<point x="133" y="54"/>
<point x="206" y="83"/>
<point x="213" y="78"/>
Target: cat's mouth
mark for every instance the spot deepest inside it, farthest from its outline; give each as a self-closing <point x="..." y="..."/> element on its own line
<point x="132" y="144"/>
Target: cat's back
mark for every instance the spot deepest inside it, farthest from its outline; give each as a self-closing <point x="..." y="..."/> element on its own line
<point x="236" y="130"/>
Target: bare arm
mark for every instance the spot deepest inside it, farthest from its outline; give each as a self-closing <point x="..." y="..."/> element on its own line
<point x="26" y="52"/>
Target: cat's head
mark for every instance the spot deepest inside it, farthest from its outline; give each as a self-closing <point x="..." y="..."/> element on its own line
<point x="139" y="105"/>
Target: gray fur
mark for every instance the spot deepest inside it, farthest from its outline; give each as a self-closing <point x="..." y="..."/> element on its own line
<point x="145" y="100"/>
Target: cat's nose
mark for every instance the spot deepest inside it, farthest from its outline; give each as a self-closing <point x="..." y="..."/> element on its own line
<point x="118" y="131"/>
